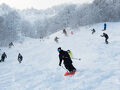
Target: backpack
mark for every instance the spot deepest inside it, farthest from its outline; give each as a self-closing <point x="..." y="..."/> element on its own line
<point x="70" y="53"/>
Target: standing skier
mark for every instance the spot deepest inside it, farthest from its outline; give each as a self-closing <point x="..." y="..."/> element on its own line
<point x="63" y="55"/>
<point x="65" y="32"/>
<point x="10" y="45"/>
<point x="105" y="25"/>
<point x="106" y="37"/>
<point x="20" y="58"/>
<point x="72" y="32"/>
<point x="56" y="39"/>
<point x="3" y="57"/>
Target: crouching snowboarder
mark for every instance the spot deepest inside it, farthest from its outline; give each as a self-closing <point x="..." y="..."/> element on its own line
<point x="106" y="37"/>
<point x="63" y="55"/>
<point x="20" y="58"/>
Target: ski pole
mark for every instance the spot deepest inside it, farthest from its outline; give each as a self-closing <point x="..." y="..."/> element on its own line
<point x="64" y="69"/>
<point x="77" y="58"/>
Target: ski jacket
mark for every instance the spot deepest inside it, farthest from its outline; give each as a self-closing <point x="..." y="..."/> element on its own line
<point x="105" y="25"/>
<point x="4" y="55"/>
<point x="20" y="56"/>
<point x="106" y="36"/>
<point x="63" y="55"/>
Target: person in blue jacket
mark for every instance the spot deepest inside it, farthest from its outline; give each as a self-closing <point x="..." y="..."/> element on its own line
<point x="105" y="25"/>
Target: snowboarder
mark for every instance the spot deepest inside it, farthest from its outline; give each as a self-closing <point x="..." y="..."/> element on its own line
<point x="20" y="58"/>
<point x="65" y="32"/>
<point x="93" y="31"/>
<point x="10" y="45"/>
<point x="56" y="39"/>
<point x="63" y="55"/>
<point x="105" y="25"/>
<point x="3" y="57"/>
<point x="106" y="37"/>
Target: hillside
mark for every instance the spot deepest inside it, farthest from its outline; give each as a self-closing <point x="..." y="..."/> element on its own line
<point x="99" y="68"/>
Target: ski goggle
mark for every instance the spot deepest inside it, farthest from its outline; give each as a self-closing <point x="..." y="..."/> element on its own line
<point x="59" y="49"/>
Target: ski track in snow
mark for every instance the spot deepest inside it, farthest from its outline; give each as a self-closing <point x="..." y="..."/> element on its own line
<point x="99" y="68"/>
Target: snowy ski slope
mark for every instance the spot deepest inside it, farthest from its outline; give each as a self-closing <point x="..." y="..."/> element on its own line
<point x="99" y="68"/>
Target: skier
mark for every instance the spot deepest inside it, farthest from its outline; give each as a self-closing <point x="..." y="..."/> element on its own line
<point x="56" y="39"/>
<point x="20" y="58"/>
<point x="10" y="45"/>
<point x="106" y="37"/>
<point x="105" y="25"/>
<point x="63" y="55"/>
<point x="93" y="31"/>
<point x="3" y="57"/>
<point x="41" y="38"/>
<point x="64" y="31"/>
<point x="72" y="32"/>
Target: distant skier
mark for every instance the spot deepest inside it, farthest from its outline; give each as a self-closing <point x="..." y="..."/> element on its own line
<point x="106" y="37"/>
<point x="3" y="57"/>
<point x="65" y="32"/>
<point x="10" y="45"/>
<point x="63" y="55"/>
<point x="72" y="32"/>
<point x="56" y="39"/>
<point x="105" y="26"/>
<point x="40" y="38"/>
<point x="20" y="58"/>
<point x="93" y="31"/>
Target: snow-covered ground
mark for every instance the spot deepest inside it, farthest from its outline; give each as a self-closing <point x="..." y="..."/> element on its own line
<point x="99" y="68"/>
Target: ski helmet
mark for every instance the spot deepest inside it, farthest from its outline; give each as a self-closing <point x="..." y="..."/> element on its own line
<point x="59" y="49"/>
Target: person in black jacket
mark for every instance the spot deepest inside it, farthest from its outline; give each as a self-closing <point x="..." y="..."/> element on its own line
<point x="93" y="31"/>
<point x="20" y="58"/>
<point x="56" y="39"/>
<point x="106" y="37"/>
<point x="63" y="55"/>
<point x="3" y="57"/>
<point x="65" y="32"/>
<point x="10" y="45"/>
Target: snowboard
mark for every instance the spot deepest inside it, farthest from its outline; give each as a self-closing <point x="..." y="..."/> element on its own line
<point x="69" y="73"/>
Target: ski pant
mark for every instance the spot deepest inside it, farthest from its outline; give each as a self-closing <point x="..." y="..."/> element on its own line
<point x="106" y="40"/>
<point x="19" y="60"/>
<point x="70" y="67"/>
<point x="104" y="28"/>
<point x="93" y="32"/>
<point x="2" y="59"/>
